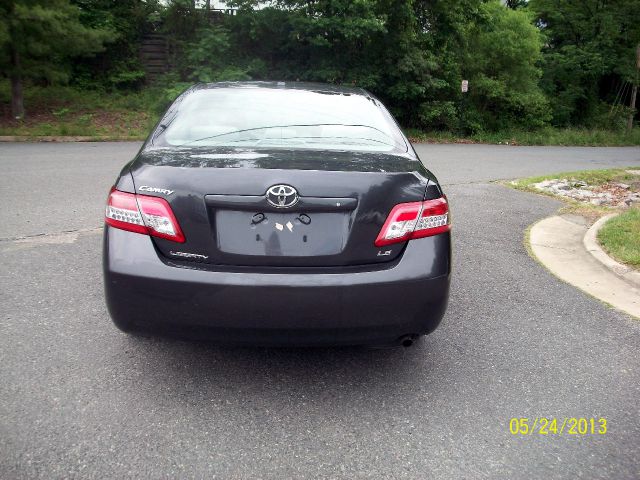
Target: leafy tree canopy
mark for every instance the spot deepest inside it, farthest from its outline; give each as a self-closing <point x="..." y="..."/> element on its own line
<point x="38" y="38"/>
<point x="589" y="53"/>
<point x="528" y="62"/>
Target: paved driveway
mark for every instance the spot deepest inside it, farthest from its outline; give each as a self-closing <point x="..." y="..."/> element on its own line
<point x="80" y="399"/>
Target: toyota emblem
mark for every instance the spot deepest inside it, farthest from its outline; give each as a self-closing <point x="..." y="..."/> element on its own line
<point x="282" y="196"/>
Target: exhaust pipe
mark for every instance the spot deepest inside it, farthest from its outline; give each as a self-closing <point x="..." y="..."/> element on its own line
<point x="407" y="341"/>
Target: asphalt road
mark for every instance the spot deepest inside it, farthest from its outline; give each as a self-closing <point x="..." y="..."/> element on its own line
<point x="80" y="399"/>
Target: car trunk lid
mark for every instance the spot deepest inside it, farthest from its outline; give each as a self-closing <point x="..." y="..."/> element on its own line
<point x="220" y="198"/>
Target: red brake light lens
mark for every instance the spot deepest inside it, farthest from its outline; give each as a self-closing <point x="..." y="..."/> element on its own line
<point x="142" y="214"/>
<point x="415" y="220"/>
<point x="122" y="212"/>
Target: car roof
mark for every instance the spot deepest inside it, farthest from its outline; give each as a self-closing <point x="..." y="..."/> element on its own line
<point x="308" y="86"/>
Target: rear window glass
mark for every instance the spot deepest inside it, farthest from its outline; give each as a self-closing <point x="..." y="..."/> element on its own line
<point x="269" y="117"/>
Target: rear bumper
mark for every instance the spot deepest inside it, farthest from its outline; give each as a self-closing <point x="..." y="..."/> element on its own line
<point x="354" y="307"/>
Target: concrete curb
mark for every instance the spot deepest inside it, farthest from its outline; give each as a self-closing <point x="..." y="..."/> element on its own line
<point x="557" y="243"/>
<point x="590" y="242"/>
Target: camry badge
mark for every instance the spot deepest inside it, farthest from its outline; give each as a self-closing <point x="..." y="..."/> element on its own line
<point x="146" y="188"/>
<point x="282" y="196"/>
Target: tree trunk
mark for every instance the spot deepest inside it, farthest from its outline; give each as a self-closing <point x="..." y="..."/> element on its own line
<point x="634" y="91"/>
<point x="632" y="104"/>
<point x="17" y="99"/>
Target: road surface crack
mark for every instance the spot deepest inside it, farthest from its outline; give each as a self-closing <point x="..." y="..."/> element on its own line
<point x="53" y="237"/>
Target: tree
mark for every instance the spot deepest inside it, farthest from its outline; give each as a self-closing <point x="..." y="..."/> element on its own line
<point x="515" y="4"/>
<point x="210" y="58"/>
<point x="118" y="65"/>
<point x="443" y="27"/>
<point x="37" y="40"/>
<point x="333" y="40"/>
<point x="588" y="55"/>
<point x="503" y="49"/>
<point x="413" y="79"/>
<point x="413" y="54"/>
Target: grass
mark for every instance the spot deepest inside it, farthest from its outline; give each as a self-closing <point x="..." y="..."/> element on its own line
<point x="418" y="136"/>
<point x="65" y="111"/>
<point x="565" y="137"/>
<point x="546" y="136"/>
<point x="620" y="237"/>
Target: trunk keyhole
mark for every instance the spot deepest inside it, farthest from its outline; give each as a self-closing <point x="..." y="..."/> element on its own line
<point x="304" y="219"/>
<point x="258" y="218"/>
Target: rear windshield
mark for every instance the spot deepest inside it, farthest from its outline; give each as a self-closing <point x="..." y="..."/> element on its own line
<point x="287" y="118"/>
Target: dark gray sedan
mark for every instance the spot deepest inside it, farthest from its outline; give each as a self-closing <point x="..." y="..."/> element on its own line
<point x="278" y="214"/>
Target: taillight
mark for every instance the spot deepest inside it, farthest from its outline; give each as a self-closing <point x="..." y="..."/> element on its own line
<point x="415" y="220"/>
<point x="142" y="214"/>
